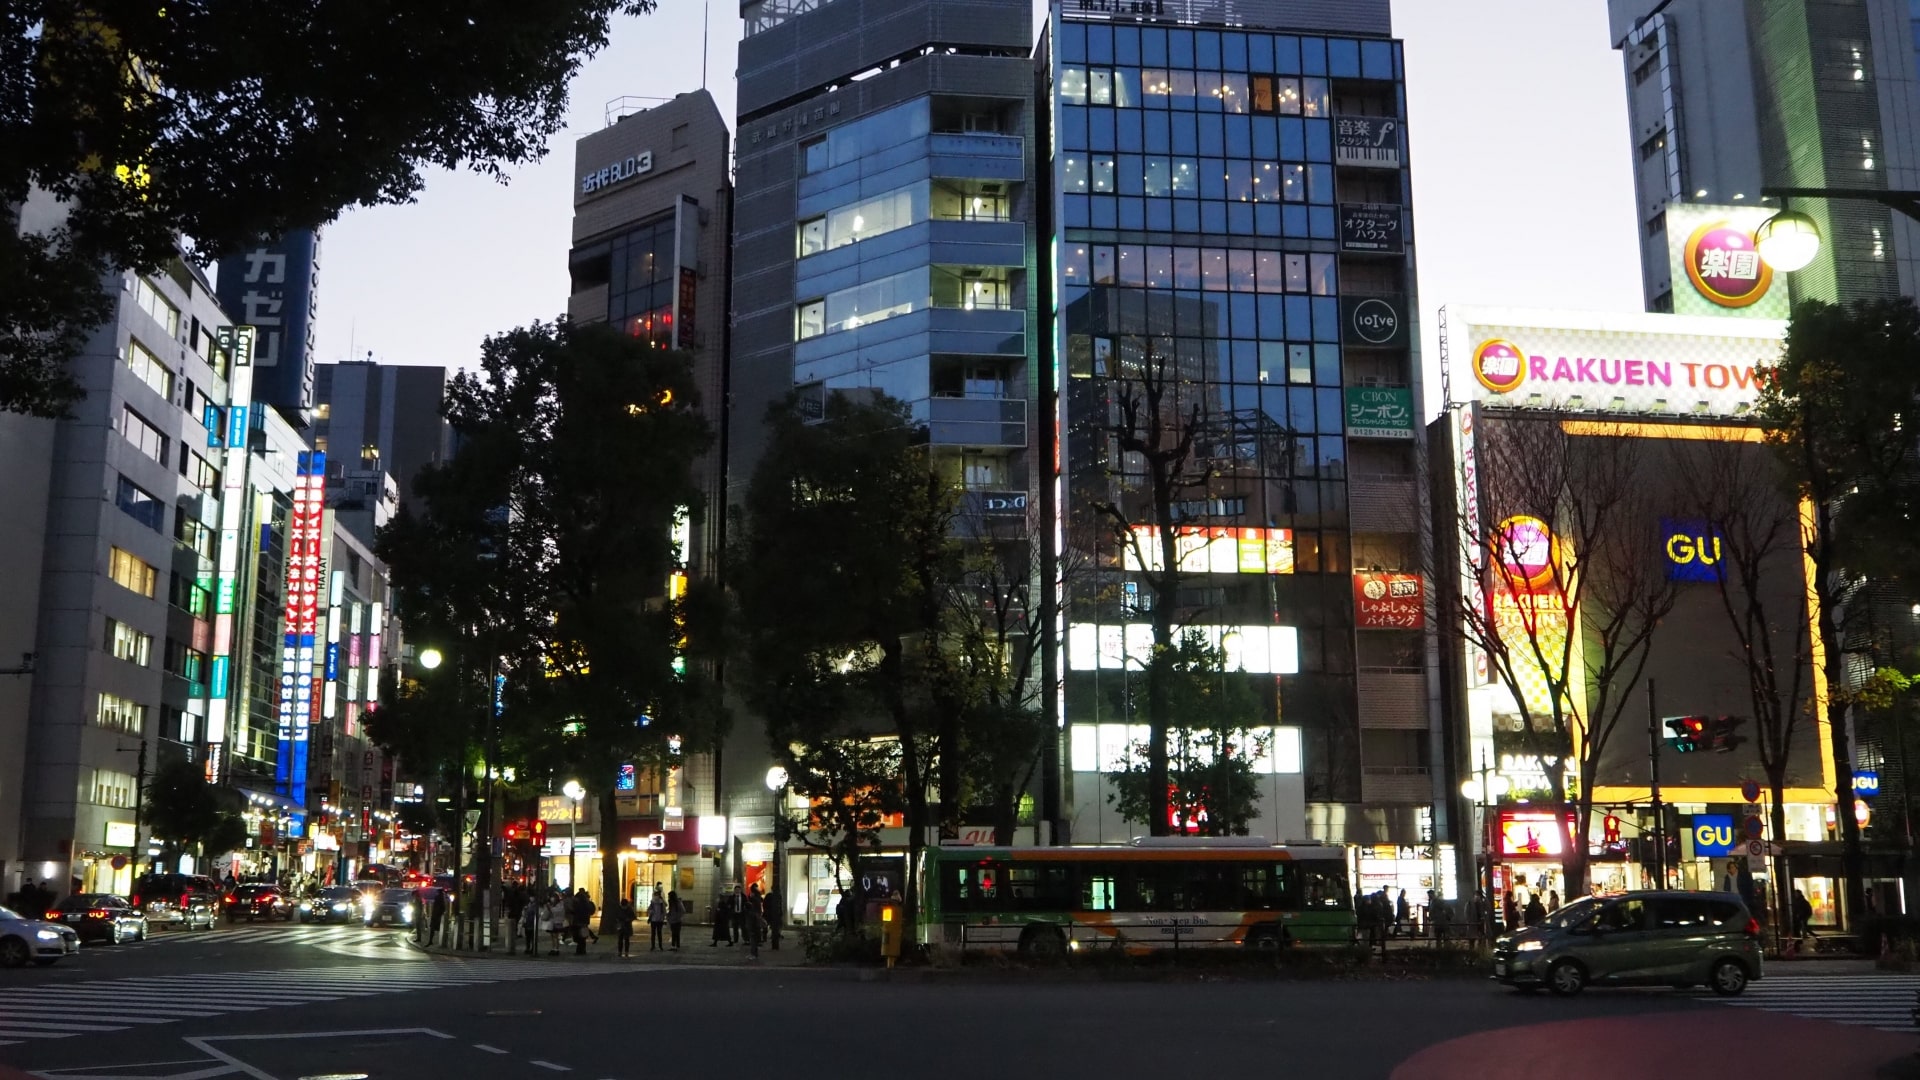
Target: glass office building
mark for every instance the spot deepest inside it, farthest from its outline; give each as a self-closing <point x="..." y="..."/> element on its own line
<point x="1230" y="234"/>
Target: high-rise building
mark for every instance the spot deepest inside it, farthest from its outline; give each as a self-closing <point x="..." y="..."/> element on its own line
<point x="379" y="425"/>
<point x="1230" y="230"/>
<point x="116" y="534"/>
<point x="652" y="221"/>
<point x="1727" y="97"/>
<point x="884" y="241"/>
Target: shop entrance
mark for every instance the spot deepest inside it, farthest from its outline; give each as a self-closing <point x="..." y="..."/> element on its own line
<point x="643" y="872"/>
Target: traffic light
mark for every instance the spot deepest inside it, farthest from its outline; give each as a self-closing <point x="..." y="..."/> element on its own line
<point x="1723" y="733"/>
<point x="539" y="831"/>
<point x="515" y="831"/>
<point x="1687" y="734"/>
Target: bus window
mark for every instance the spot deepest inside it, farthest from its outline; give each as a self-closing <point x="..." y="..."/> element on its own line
<point x="1256" y="889"/>
<point x="1097" y="890"/>
<point x="1325" y="888"/>
<point x="1039" y="888"/>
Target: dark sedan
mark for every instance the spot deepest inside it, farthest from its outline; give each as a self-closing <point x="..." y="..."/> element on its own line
<point x="257" y="902"/>
<point x="393" y="907"/>
<point x="99" y="917"/>
<point x="340" y="903"/>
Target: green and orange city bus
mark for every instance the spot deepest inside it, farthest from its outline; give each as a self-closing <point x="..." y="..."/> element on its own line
<point x="1155" y="893"/>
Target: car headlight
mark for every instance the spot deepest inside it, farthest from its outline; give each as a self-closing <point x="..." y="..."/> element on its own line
<point x="406" y="914"/>
<point x="1530" y="946"/>
<point x="47" y="935"/>
<point x="306" y="906"/>
<point x="340" y="906"/>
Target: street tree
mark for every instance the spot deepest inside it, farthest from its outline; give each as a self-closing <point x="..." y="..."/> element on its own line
<point x="1212" y="789"/>
<point x="1571" y="593"/>
<point x="216" y="124"/>
<point x="578" y="452"/>
<point x="1840" y="407"/>
<point x="185" y="814"/>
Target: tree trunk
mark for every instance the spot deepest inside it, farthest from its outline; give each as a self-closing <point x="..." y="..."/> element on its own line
<point x="1166" y="590"/>
<point x="609" y="857"/>
<point x="1006" y="814"/>
<point x="1782" y="914"/>
<point x="1835" y="671"/>
<point x="893" y="676"/>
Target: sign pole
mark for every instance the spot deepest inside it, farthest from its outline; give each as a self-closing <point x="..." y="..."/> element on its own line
<point x="1659" y="813"/>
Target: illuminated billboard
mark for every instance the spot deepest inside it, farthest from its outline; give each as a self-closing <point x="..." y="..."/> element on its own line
<point x="1256" y="650"/>
<point x="1715" y="266"/>
<point x="1607" y="362"/>
<point x="1206" y="549"/>
<point x="299" y="705"/>
<point x="238" y="344"/>
<point x="1531" y="834"/>
<point x="1388" y="601"/>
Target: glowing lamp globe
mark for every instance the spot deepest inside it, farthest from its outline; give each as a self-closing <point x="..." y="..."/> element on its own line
<point x="430" y="658"/>
<point x="1788" y="240"/>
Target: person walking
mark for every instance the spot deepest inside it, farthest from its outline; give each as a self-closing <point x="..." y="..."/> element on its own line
<point x="750" y="910"/>
<point x="1802" y="915"/>
<point x="582" y="911"/>
<point x="623" y="921"/>
<point x="676" y="914"/>
<point x="530" y="924"/>
<point x="770" y="911"/>
<point x="556" y="921"/>
<point x="736" y="915"/>
<point x="1402" y="914"/>
<point x="656" y="922"/>
<point x="720" y="919"/>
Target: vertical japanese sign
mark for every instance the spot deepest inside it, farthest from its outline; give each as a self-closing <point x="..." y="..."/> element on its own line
<point x="273" y="287"/>
<point x="1715" y="267"/>
<point x="298" y="703"/>
<point x="686" y="258"/>
<point x="238" y="344"/>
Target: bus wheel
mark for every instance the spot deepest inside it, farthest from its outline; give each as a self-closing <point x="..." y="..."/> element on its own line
<point x="1043" y="942"/>
<point x="1264" y="938"/>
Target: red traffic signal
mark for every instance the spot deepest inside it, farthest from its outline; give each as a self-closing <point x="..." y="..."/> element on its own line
<point x="1687" y="734"/>
<point x="515" y="831"/>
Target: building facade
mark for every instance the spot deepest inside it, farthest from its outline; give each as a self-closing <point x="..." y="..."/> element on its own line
<point x="652" y="225"/>
<point x="1230" y="225"/>
<point x="379" y="425"/>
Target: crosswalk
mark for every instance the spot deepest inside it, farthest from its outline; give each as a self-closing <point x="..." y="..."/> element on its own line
<point x="63" y="1011"/>
<point x="1883" y="1002"/>
<point x="350" y="940"/>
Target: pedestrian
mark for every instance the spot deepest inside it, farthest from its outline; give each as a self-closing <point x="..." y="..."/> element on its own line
<point x="1402" y="913"/>
<point x="750" y="911"/>
<point x="623" y="925"/>
<point x="439" y="917"/>
<point x="1553" y="900"/>
<point x="770" y="911"/>
<point x="1802" y="915"/>
<point x="720" y="918"/>
<point x="530" y="924"/>
<point x="582" y="911"/>
<point x="676" y="914"/>
<point x="656" y="922"/>
<point x="1536" y="911"/>
<point x="843" y="911"/>
<point x="1512" y="912"/>
<point x="556" y="922"/>
<point x="736" y="915"/>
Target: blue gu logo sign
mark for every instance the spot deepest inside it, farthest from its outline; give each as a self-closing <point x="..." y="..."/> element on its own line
<point x="1713" y="834"/>
<point x="1692" y="550"/>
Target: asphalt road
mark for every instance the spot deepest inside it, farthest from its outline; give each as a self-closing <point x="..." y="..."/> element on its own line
<point x="288" y="1003"/>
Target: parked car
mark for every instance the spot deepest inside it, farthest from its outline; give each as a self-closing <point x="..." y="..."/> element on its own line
<point x="257" y="902"/>
<point x="23" y="939"/>
<point x="184" y="900"/>
<point x="100" y="917"/>
<point x="1678" y="939"/>
<point x="338" y="903"/>
<point x="393" y="907"/>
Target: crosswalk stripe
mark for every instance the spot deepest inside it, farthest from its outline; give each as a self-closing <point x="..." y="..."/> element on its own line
<point x="88" y="1008"/>
<point x="1882" y="1002"/>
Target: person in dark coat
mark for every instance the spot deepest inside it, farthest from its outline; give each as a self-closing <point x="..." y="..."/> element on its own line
<point x="722" y="912"/>
<point x="582" y="909"/>
<point x="676" y="915"/>
<point x="770" y="911"/>
<point x="1802" y="915"/>
<point x="843" y="911"/>
<point x="1536" y="911"/>
<point x="439" y="915"/>
<point x="623" y="927"/>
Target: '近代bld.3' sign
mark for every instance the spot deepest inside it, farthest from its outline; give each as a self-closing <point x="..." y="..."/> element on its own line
<point x="1376" y="321"/>
<point x="1379" y="412"/>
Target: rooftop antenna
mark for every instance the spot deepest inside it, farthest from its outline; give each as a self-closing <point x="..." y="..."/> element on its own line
<point x="706" y="29"/>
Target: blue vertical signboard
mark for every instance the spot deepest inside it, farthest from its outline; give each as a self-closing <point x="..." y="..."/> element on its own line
<point x="272" y="288"/>
<point x="298" y="702"/>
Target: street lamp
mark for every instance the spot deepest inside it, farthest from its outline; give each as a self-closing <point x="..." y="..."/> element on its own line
<point x="430" y="658"/>
<point x="574" y="792"/>
<point x="777" y="784"/>
<point x="1484" y="789"/>
<point x="1788" y="240"/>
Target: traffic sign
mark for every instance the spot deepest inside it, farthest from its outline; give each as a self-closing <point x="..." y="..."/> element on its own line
<point x="1750" y="790"/>
<point x="1756" y="849"/>
<point x="1756" y="864"/>
<point x="1756" y="828"/>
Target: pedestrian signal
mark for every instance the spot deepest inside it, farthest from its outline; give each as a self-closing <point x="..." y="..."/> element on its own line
<point x="1687" y="734"/>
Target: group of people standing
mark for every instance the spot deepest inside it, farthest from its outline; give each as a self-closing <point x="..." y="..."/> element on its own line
<point x="750" y="916"/>
<point x="665" y="915"/>
<point x="556" y="914"/>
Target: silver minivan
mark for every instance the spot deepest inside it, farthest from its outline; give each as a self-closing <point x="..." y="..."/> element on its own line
<point x="1675" y="939"/>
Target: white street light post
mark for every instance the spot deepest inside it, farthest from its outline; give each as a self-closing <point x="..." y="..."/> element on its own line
<point x="1483" y="789"/>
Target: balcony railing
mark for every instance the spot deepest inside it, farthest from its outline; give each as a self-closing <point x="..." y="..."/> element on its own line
<point x="955" y="421"/>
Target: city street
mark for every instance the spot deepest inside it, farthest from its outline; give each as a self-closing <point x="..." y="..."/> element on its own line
<point x="292" y="1002"/>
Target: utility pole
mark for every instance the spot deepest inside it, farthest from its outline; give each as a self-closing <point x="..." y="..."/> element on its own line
<point x="139" y="797"/>
<point x="1659" y="812"/>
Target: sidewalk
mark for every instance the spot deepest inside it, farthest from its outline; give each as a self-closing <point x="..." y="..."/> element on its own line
<point x="693" y="953"/>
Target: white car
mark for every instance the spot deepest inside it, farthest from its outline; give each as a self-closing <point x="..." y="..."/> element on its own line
<point x="23" y="939"/>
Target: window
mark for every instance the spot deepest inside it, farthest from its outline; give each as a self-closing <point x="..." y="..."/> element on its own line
<point x="144" y="436"/>
<point x="1678" y="913"/>
<point x="1657" y="224"/>
<point x="973" y="200"/>
<point x="110" y="788"/>
<point x="118" y="713"/>
<point x="1646" y="69"/>
<point x="874" y="301"/>
<point x="151" y="371"/>
<point x="880" y="214"/>
<point x="199" y="471"/>
<point x="150" y="301"/>
<point x="189" y="532"/>
<point x="972" y="288"/>
<point x="188" y="594"/>
<point x="862" y="138"/>
<point x="813" y="236"/>
<point x="1653" y="144"/>
<point x="126" y="643"/>
<point x="140" y="504"/>
<point x="810" y="320"/>
<point x="129" y="572"/>
<point x="814" y="155"/>
<point x="1622" y="915"/>
<point x="187" y="663"/>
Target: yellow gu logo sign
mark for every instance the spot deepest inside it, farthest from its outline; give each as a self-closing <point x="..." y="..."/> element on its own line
<point x="1693" y="550"/>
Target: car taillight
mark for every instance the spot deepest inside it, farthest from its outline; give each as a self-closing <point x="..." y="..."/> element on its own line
<point x="134" y="899"/>
<point x="1753" y="927"/>
<point x="53" y="916"/>
<point x="186" y="900"/>
<point x="230" y="899"/>
<point x="99" y="915"/>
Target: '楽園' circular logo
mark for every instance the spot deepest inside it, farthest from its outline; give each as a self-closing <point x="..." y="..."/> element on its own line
<point x="1527" y="552"/>
<point x="1500" y="365"/>
<point x="1725" y="266"/>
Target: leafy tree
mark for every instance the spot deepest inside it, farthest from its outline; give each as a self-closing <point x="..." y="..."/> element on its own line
<point x="1212" y="789"/>
<point x="222" y="122"/>
<point x="1840" y="407"/>
<point x="548" y="547"/>
<point x="187" y="814"/>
